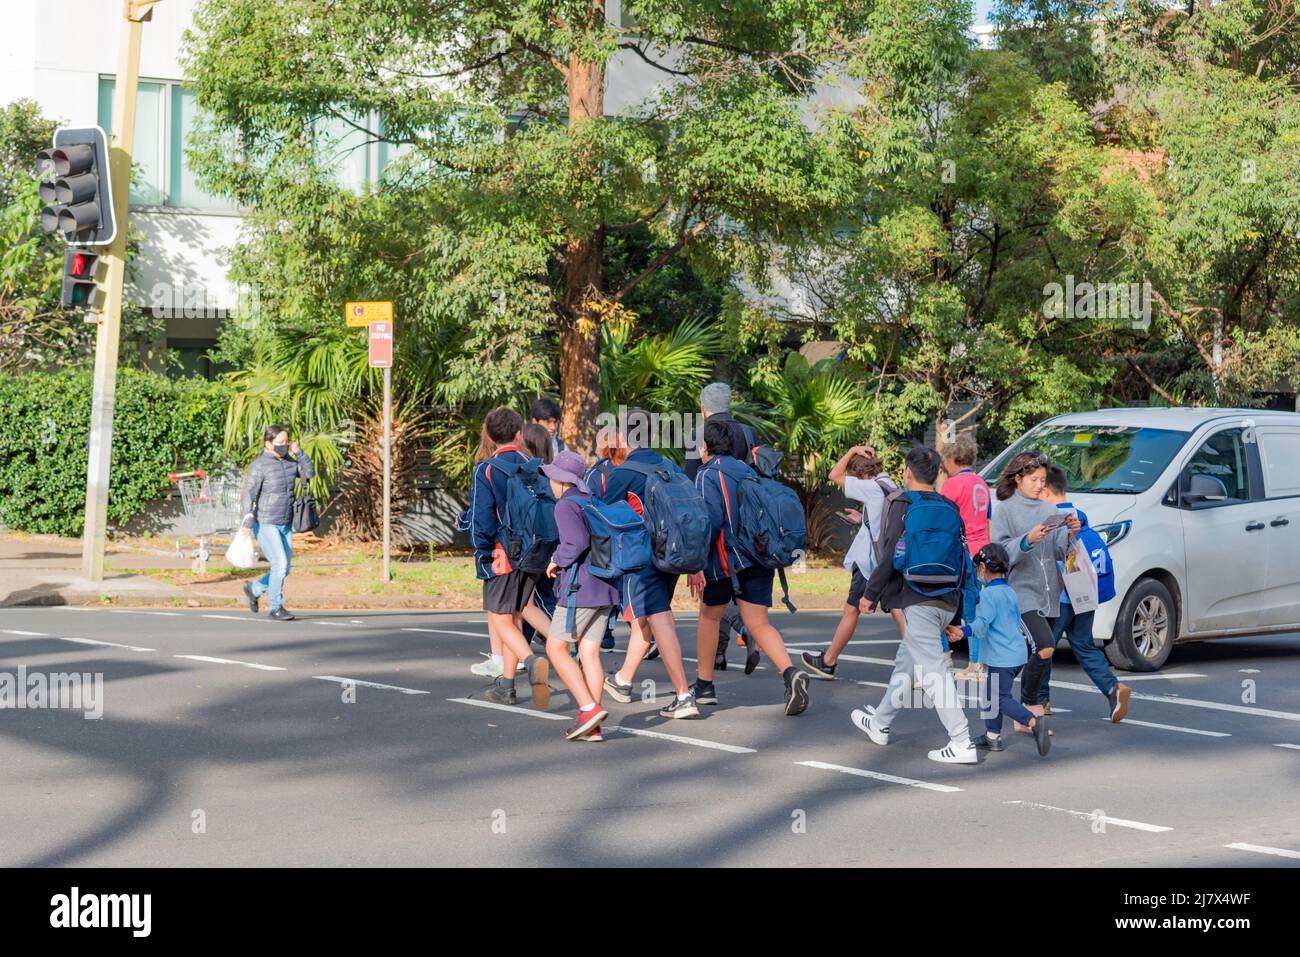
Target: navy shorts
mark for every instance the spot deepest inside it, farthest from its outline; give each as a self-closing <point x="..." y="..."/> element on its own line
<point x="647" y="592"/>
<point x="755" y="588"/>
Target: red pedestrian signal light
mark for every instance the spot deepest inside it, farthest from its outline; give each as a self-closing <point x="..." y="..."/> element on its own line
<point x="79" y="283"/>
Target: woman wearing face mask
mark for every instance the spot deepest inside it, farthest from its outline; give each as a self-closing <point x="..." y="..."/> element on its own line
<point x="1028" y="529"/>
<point x="268" y="513"/>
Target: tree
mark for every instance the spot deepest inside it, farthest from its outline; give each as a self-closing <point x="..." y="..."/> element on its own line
<point x="515" y="178"/>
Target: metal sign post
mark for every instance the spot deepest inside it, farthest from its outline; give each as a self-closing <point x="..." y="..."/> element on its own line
<point x="381" y="357"/>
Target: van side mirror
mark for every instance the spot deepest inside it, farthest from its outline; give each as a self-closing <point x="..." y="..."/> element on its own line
<point x="1204" y="488"/>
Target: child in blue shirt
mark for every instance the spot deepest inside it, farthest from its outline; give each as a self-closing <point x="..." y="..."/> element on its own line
<point x="1003" y="650"/>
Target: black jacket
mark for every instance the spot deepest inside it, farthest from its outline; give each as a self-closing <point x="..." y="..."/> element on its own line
<point x="268" y="488"/>
<point x="743" y="439"/>
<point x="886" y="585"/>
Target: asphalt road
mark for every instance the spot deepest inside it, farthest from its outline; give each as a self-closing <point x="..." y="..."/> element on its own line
<point x="226" y="740"/>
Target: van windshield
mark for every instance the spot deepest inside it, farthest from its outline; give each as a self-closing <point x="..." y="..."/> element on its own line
<point x="1104" y="459"/>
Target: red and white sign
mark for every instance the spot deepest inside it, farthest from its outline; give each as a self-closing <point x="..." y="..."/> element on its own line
<point x="381" y="345"/>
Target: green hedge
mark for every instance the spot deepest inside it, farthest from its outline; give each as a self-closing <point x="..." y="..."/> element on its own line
<point x="161" y="425"/>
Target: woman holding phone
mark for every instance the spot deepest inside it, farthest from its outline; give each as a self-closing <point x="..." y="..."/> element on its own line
<point x="268" y="513"/>
<point x="1035" y="537"/>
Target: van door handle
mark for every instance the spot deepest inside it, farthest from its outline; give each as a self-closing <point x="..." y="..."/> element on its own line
<point x="1279" y="522"/>
<point x="1254" y="526"/>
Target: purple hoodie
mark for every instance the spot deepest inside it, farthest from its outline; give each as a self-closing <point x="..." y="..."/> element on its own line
<point x="592" y="592"/>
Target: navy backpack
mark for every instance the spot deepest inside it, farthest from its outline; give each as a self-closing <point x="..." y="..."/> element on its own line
<point x="528" y="523"/>
<point x="771" y="528"/>
<point x="676" y="518"/>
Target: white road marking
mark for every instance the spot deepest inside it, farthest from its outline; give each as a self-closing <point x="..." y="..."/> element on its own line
<point x="1248" y="671"/>
<point x="1261" y="849"/>
<point x="25" y="634"/>
<point x="730" y="664"/>
<point x="1128" y="678"/>
<point x="1173" y="727"/>
<point x="1192" y="702"/>
<point x="335" y="624"/>
<point x="681" y="739"/>
<point x="823" y="644"/>
<point x="131" y="611"/>
<point x="866" y="661"/>
<point x="444" y="631"/>
<point x="1293" y="747"/>
<point x="368" y="684"/>
<point x="875" y="684"/>
<point x="230" y="661"/>
<point x="880" y="776"/>
<point x="511" y="708"/>
<point x="107" y="644"/>
<point x="237" y="617"/>
<point x="1088" y="816"/>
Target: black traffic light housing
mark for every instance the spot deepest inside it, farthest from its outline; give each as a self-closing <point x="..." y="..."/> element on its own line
<point x="80" y="289"/>
<point x="77" y="188"/>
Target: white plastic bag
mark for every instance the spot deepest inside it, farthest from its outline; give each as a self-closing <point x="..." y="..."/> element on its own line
<point x="242" y="552"/>
<point x="1081" y="579"/>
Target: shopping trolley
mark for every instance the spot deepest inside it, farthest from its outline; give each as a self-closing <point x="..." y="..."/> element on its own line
<point x="211" y="506"/>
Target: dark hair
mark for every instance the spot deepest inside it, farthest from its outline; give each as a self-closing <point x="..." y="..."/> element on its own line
<point x="272" y="432"/>
<point x="1056" y="480"/>
<point x="544" y="409"/>
<point x="503" y="424"/>
<point x="1022" y="464"/>
<point x="537" y="441"/>
<point x="864" y="466"/>
<point x="717" y="437"/>
<point x="993" y="557"/>
<point x="635" y="425"/>
<point x="924" y="463"/>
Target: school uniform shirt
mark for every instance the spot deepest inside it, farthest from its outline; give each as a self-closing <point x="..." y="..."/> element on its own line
<point x="997" y="625"/>
<point x="868" y="492"/>
<point x="974" y="500"/>
<point x="718" y="482"/>
<point x="486" y="499"/>
<point x="575" y="539"/>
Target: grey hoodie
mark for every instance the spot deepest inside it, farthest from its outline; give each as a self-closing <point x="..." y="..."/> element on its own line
<point x="1034" y="574"/>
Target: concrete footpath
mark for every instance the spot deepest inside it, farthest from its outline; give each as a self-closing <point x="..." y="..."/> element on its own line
<point x="43" y="570"/>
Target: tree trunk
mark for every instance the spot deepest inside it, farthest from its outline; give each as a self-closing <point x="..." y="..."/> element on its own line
<point x="583" y="274"/>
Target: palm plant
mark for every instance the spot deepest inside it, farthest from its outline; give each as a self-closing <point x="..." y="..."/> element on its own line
<point x="661" y="372"/>
<point x="812" y="413"/>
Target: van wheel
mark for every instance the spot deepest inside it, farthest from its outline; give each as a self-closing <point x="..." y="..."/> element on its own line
<point x="1146" y="628"/>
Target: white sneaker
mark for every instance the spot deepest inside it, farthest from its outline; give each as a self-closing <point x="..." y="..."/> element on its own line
<point x="947" y="661"/>
<point x="864" y="721"/>
<point x="956" y="754"/>
<point x="486" y="669"/>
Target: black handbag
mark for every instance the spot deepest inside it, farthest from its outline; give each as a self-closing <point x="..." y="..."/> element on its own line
<point x="305" y="516"/>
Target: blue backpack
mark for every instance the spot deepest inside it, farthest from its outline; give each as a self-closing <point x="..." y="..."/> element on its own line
<point x="676" y="518"/>
<point x="931" y="553"/>
<point x="1100" y="555"/>
<point x="528" y="523"/>
<point x="772" y="529"/>
<point x="620" y="542"/>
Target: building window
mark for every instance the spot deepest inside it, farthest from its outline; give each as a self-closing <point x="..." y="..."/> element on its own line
<point x="165" y="113"/>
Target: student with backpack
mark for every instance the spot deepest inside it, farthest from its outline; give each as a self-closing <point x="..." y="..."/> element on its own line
<point x="861" y="474"/>
<point x="537" y="443"/>
<point x="584" y="601"/>
<point x="929" y="576"/>
<point x="736" y="497"/>
<point x="678" y="524"/>
<point x="596" y="477"/>
<point x="973" y="498"/>
<point x="1035" y="538"/>
<point x="1078" y="628"/>
<point x="997" y="624"/>
<point x="512" y="525"/>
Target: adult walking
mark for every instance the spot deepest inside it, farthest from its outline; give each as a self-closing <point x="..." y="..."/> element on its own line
<point x="268" y="513"/>
<point x="1032" y="532"/>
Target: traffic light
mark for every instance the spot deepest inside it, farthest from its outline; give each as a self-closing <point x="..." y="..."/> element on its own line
<point x="79" y="280"/>
<point x="77" y="188"/>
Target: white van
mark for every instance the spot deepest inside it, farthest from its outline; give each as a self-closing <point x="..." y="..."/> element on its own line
<point x="1201" y="511"/>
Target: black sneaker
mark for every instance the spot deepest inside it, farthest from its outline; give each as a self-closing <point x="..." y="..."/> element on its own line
<point x="653" y="653"/>
<point x="501" y="691"/>
<point x="796" y="693"/>
<point x="751" y="652"/>
<point x="989" y="742"/>
<point x="618" y="690"/>
<point x="607" y="643"/>
<point x="818" y="666"/>
<point x="252" y="599"/>
<point x="704" y="692"/>
<point x="680" y="708"/>
<point x="282" y="614"/>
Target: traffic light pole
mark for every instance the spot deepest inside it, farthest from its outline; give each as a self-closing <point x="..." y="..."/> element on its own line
<point x="110" y="319"/>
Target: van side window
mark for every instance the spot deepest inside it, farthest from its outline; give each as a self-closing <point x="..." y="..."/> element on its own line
<point x="1221" y="457"/>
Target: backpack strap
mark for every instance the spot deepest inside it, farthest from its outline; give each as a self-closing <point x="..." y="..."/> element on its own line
<point x="785" y="591"/>
<point x="646" y="469"/>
